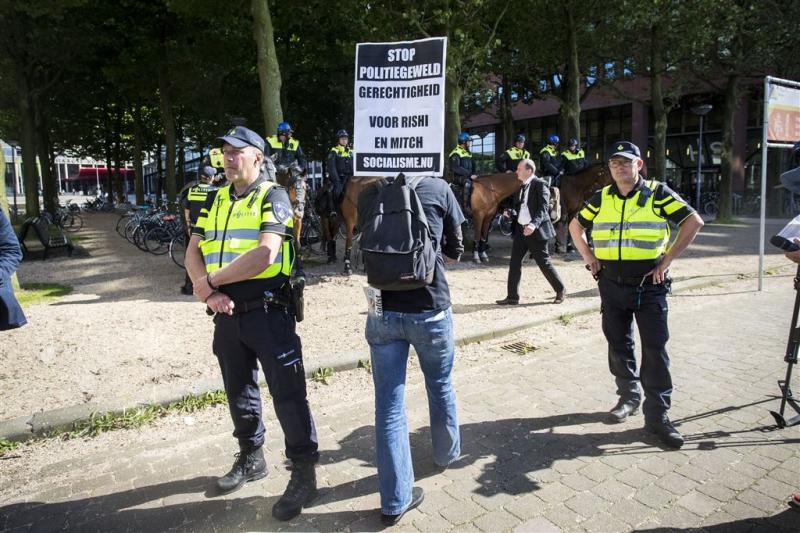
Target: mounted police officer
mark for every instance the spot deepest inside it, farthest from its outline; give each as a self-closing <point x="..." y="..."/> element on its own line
<point x="630" y="221"/>
<point x="573" y="159"/>
<point x="509" y="160"/>
<point x="192" y="198"/>
<point x="240" y="259"/>
<point x="286" y="146"/>
<point x="339" y="166"/>
<point x="463" y="168"/>
<point x="550" y="162"/>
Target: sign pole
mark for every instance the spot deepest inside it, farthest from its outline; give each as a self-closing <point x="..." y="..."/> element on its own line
<point x="763" y="221"/>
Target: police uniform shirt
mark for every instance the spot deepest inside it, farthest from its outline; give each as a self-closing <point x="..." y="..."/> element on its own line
<point x="276" y="214"/>
<point x="667" y="204"/>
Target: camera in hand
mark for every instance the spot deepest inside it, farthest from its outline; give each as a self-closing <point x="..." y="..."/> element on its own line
<point x="783" y="243"/>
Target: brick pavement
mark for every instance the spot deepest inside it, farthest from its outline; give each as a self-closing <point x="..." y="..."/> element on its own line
<point x="538" y="455"/>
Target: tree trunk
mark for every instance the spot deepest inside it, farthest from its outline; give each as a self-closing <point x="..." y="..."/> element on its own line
<point x="572" y="100"/>
<point x="660" y="111"/>
<point x="120" y="176"/>
<point x="159" y="172"/>
<point x="28" y="141"/>
<point x="732" y="95"/>
<point x="452" y="115"/>
<point x="181" y="177"/>
<point x="269" y="73"/>
<point x="506" y="114"/>
<point x="108" y="146"/>
<point x="168" y="119"/>
<point x="138" y="150"/>
<point x="49" y="186"/>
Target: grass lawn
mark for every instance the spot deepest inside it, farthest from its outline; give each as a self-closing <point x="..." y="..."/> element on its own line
<point x="38" y="293"/>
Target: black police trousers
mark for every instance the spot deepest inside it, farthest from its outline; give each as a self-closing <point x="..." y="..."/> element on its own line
<point x="648" y="304"/>
<point x="240" y="342"/>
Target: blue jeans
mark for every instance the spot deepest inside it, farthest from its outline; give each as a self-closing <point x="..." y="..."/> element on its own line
<point x="389" y="337"/>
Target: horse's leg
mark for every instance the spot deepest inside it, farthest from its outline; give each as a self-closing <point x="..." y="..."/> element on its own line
<point x="487" y="223"/>
<point x="348" y="247"/>
<point x="477" y="242"/>
<point x="333" y="228"/>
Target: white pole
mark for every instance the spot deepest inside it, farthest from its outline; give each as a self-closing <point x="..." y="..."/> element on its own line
<point x="763" y="222"/>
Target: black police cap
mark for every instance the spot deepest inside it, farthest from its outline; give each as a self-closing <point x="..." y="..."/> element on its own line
<point x="624" y="149"/>
<point x="239" y="137"/>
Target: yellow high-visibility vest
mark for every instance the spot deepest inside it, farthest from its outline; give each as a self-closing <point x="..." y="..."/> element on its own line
<point x="629" y="229"/>
<point x="276" y="144"/>
<point x="571" y="156"/>
<point x="461" y="152"/>
<point x="233" y="227"/>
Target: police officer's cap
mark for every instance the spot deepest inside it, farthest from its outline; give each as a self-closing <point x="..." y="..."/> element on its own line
<point x="208" y="171"/>
<point x="624" y="149"/>
<point x="239" y="137"/>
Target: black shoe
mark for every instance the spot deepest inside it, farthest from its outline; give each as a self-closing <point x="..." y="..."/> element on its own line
<point x="301" y="490"/>
<point x="507" y="301"/>
<point x="417" y="495"/>
<point x="623" y="410"/>
<point x="665" y="431"/>
<point x="249" y="466"/>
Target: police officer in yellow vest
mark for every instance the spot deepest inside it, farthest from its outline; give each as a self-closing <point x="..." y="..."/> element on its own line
<point x="630" y="220"/>
<point x="550" y="162"/>
<point x="286" y="146"/>
<point x="192" y="198"/>
<point x="509" y="160"/>
<point x="463" y="168"/>
<point x="573" y="159"/>
<point x="240" y="259"/>
<point x="339" y="169"/>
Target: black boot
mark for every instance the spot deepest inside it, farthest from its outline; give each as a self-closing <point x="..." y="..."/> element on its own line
<point x="249" y="466"/>
<point x="665" y="431"/>
<point x="623" y="410"/>
<point x="331" y="251"/>
<point x="301" y="491"/>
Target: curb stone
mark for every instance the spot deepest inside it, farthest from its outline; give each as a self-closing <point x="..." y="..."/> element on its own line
<point x="27" y="427"/>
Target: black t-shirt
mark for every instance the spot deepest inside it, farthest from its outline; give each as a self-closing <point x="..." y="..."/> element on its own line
<point x="444" y="219"/>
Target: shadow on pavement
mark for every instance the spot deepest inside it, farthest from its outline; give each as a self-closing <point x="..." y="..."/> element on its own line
<point x="787" y="521"/>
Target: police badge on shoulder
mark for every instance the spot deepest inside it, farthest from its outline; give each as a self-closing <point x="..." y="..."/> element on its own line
<point x="374" y="301"/>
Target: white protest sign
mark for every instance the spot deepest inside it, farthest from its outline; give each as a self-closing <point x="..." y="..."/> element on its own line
<point x="399" y="108"/>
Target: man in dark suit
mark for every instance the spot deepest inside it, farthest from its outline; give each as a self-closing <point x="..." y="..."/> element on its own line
<point x="532" y="230"/>
<point x="10" y="255"/>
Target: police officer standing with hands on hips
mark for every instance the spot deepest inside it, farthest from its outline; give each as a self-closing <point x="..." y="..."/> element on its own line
<point x="630" y="220"/>
<point x="192" y="199"/>
<point x="463" y="168"/>
<point x="240" y="259"/>
<point x="339" y="166"/>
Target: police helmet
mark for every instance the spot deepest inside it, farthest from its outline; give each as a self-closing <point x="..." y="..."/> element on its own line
<point x="519" y="138"/>
<point x="573" y="141"/>
<point x="463" y="137"/>
<point x="553" y="139"/>
<point x="284" y="127"/>
<point x="342" y="133"/>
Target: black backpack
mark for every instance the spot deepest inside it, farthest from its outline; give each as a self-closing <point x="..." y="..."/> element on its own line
<point x="396" y="243"/>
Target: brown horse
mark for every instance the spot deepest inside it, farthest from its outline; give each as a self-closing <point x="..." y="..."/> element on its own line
<point x="487" y="192"/>
<point x="576" y="189"/>
<point x="348" y="214"/>
<point x="293" y="179"/>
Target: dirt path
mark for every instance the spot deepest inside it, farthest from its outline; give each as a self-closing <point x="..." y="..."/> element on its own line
<point x="125" y="333"/>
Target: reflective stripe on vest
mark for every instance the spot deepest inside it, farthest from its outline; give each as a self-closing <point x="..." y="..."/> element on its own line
<point x="569" y="155"/>
<point x="342" y="151"/>
<point x="623" y="230"/>
<point x="275" y="143"/>
<point x="198" y="193"/>
<point x="550" y="150"/>
<point x="461" y="152"/>
<point x="233" y="228"/>
<point x="515" y="153"/>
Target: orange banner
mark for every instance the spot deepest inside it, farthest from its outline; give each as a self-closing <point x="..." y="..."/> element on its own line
<point x="783" y="114"/>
